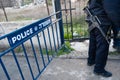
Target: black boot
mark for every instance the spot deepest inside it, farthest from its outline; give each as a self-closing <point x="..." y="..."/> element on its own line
<point x="104" y="73"/>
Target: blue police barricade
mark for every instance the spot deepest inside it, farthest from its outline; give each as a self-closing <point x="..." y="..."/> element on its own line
<point x="45" y="34"/>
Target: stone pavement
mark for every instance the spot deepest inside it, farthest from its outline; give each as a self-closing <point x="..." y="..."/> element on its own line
<point x="65" y="67"/>
<point x="76" y="69"/>
<point x="73" y="66"/>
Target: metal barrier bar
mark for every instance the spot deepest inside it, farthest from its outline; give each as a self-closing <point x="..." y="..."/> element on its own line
<point x="3" y="66"/>
<point x="35" y="55"/>
<point x="28" y="62"/>
<point x="41" y="50"/>
<point x="46" y="46"/>
<point x="18" y="64"/>
<point x="49" y="40"/>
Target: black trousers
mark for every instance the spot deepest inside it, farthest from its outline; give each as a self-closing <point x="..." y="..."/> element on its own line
<point x="98" y="49"/>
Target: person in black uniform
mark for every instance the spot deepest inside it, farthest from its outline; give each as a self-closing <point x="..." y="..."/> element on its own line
<point x="98" y="46"/>
<point x="112" y="8"/>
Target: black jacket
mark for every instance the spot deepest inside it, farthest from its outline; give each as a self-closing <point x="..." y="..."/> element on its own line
<point x="96" y="7"/>
<point x="112" y="8"/>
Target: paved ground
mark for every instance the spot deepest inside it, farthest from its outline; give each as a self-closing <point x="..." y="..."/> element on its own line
<point x="76" y="69"/>
<point x="66" y="67"/>
<point x="73" y="66"/>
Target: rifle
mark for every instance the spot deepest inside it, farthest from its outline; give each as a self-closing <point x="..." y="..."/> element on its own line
<point x="95" y="22"/>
